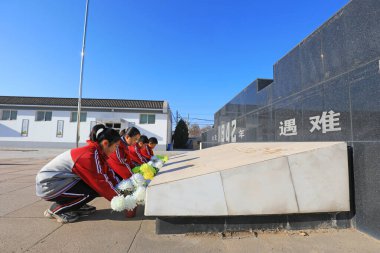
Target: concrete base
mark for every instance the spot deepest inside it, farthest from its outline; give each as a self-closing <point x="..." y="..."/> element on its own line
<point x="184" y="225"/>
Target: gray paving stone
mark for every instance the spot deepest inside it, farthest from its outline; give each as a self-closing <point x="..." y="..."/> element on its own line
<point x="98" y="235"/>
<point x="17" y="200"/>
<point x="7" y="186"/>
<point x="17" y="235"/>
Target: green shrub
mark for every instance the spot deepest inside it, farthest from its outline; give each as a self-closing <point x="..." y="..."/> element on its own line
<point x="181" y="134"/>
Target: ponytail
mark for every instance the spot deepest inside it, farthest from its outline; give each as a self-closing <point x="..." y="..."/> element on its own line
<point x="100" y="132"/>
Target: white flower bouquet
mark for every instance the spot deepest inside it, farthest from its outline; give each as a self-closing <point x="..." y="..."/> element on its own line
<point x="132" y="194"/>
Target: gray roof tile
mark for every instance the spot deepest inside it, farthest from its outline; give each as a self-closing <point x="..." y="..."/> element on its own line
<point x="86" y="102"/>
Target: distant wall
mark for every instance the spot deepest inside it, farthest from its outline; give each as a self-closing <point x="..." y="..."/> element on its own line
<point x="326" y="89"/>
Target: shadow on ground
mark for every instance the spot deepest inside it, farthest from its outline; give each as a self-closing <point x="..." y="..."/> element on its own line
<point x="109" y="214"/>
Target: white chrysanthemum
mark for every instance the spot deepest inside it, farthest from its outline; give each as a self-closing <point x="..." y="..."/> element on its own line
<point x="138" y="180"/>
<point x="130" y="202"/>
<point x="161" y="164"/>
<point x="125" y="185"/>
<point x="150" y="163"/>
<point x="139" y="195"/>
<point x="118" y="203"/>
<point x="158" y="164"/>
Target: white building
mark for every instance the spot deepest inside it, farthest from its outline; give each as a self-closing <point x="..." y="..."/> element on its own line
<point x="52" y="122"/>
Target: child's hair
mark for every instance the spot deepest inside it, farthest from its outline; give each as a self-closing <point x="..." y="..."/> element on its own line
<point x="153" y="140"/>
<point x="130" y="131"/>
<point x="100" y="132"/>
<point x="144" y="139"/>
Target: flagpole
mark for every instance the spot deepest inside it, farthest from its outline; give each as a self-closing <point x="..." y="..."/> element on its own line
<point x="81" y="74"/>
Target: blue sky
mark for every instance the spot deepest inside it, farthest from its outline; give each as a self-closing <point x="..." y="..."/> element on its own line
<point x="196" y="54"/>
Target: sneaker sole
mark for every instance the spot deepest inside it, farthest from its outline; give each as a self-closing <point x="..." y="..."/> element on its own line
<point x="49" y="215"/>
<point x="65" y="222"/>
<point x="60" y="220"/>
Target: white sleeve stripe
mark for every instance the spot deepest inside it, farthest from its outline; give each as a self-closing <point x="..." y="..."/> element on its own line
<point x="100" y="171"/>
<point x="113" y="174"/>
<point x="138" y="154"/>
<point x="107" y="180"/>
<point x="118" y="155"/>
<point x="123" y="162"/>
<point x="148" y="151"/>
<point x="98" y="168"/>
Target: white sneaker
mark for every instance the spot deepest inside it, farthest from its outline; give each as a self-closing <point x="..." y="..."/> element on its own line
<point x="63" y="217"/>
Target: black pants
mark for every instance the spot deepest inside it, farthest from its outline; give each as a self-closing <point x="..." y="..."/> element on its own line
<point x="73" y="199"/>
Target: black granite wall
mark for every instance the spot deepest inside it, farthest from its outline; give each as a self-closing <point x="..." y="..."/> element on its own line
<point x="326" y="89"/>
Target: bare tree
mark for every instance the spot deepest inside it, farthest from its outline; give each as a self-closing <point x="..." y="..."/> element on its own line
<point x="194" y="130"/>
<point x="205" y="129"/>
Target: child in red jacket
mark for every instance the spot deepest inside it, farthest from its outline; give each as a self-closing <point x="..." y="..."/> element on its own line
<point x="147" y="152"/>
<point x="120" y="160"/>
<point x="79" y="175"/>
<point x="135" y="151"/>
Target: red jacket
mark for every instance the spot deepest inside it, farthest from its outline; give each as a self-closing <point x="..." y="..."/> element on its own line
<point x="147" y="152"/>
<point x="120" y="161"/>
<point x="91" y="166"/>
<point x="135" y="154"/>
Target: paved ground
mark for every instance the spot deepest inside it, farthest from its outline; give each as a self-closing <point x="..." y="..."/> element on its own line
<point x="24" y="229"/>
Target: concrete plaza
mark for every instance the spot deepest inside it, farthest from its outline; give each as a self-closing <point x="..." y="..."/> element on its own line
<point x="24" y="229"/>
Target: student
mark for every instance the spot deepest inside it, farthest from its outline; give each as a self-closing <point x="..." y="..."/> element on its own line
<point x="120" y="160"/>
<point x="147" y="152"/>
<point x="79" y="175"/>
<point x="135" y="151"/>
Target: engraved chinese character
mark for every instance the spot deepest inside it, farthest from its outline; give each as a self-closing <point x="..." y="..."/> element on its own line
<point x="288" y="127"/>
<point x="241" y="133"/>
<point x="328" y="122"/>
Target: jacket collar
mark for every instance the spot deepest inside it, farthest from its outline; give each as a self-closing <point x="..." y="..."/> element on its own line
<point x="124" y="140"/>
<point x="97" y="147"/>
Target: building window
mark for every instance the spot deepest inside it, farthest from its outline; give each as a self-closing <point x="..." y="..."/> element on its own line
<point x="147" y="118"/>
<point x="74" y="115"/>
<point x="114" y="125"/>
<point x="9" y="115"/>
<point x="24" y="127"/>
<point x="60" y="128"/>
<point x="43" y="116"/>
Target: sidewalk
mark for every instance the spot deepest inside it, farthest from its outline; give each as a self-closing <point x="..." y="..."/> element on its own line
<point x="24" y="229"/>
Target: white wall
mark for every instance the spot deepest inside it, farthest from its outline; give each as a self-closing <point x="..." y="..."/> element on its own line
<point x="158" y="130"/>
<point x="45" y="131"/>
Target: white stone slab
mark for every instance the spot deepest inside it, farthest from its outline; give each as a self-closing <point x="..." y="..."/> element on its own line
<point x="256" y="180"/>
<point x="229" y="156"/>
<point x="196" y="196"/>
<point x="320" y="179"/>
<point x="256" y="193"/>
